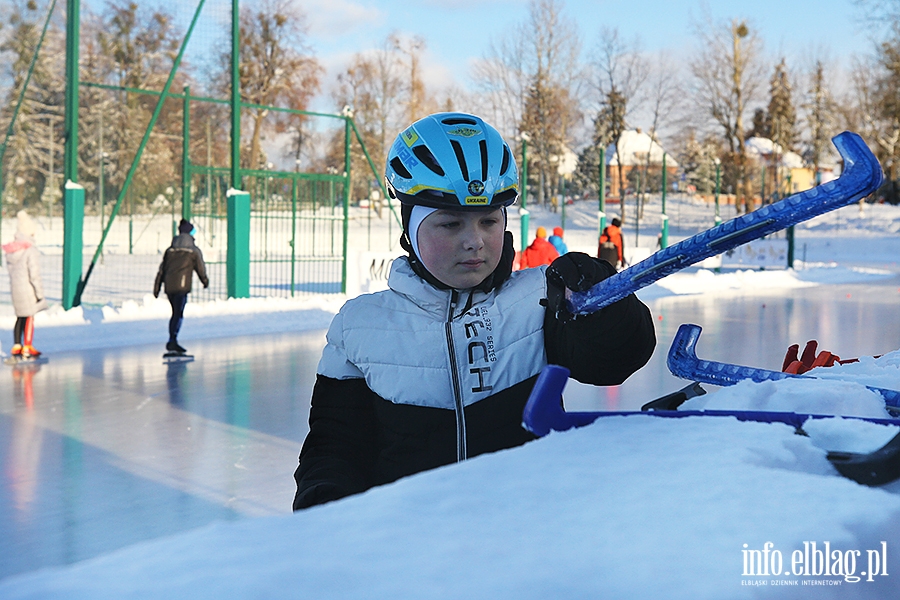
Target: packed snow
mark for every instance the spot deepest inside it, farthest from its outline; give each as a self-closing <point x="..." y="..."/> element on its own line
<point x="628" y="507"/>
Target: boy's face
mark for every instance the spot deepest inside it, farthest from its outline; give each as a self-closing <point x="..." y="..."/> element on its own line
<point x="461" y="248"/>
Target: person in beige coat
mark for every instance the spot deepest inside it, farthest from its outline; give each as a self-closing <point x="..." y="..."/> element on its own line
<point x="26" y="288"/>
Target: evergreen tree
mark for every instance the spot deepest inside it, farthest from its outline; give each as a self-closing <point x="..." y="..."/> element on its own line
<point x="781" y="117"/>
<point x="820" y="120"/>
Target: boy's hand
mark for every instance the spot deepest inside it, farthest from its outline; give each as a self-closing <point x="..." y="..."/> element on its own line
<point x="575" y="271"/>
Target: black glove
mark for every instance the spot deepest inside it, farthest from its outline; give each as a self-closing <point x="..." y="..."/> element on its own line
<point x="576" y="271"/>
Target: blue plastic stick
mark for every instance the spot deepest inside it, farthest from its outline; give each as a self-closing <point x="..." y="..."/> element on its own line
<point x="544" y="410"/>
<point x="860" y="177"/>
<point x="683" y="362"/>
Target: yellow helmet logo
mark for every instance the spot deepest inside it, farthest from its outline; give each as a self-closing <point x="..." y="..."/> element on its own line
<point x="464" y="131"/>
<point x="409" y="136"/>
<point x="476" y="200"/>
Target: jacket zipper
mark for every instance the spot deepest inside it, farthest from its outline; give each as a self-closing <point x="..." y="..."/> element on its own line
<point x="454" y="375"/>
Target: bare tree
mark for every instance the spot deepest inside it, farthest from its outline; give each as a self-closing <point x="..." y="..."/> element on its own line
<point x="528" y="84"/>
<point x="550" y="107"/>
<point x="664" y="93"/>
<point x="728" y="74"/>
<point x="619" y="74"/>
<point x="277" y="68"/>
<point x="501" y="82"/>
<point x="374" y="86"/>
<point x="33" y="155"/>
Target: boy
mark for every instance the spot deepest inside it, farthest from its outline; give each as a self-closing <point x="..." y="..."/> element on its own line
<point x="438" y="368"/>
<point x="179" y="262"/>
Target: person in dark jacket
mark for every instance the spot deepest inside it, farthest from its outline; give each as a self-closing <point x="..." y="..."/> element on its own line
<point x="176" y="271"/>
<point x="612" y="244"/>
<point x="437" y="368"/>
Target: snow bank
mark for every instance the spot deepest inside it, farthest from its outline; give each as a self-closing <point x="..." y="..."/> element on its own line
<point x="635" y="507"/>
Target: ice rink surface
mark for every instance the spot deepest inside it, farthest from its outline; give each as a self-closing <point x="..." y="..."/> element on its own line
<point x="101" y="449"/>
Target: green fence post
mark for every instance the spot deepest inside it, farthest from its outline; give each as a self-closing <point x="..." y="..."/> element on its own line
<point x="238" y="256"/>
<point x="293" y="235"/>
<point x="523" y="211"/>
<point x="186" y="157"/>
<point x="346" y="203"/>
<point x="664" y="234"/>
<point x="601" y="202"/>
<point x="235" y="95"/>
<point x="73" y="227"/>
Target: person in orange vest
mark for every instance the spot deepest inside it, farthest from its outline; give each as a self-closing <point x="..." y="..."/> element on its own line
<point x="540" y="252"/>
<point x="612" y="244"/>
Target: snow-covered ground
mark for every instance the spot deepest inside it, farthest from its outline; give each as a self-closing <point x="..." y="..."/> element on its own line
<point x="629" y="507"/>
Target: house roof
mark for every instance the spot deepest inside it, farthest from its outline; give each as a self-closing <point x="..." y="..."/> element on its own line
<point x="633" y="146"/>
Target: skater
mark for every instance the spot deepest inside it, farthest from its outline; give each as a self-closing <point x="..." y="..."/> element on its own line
<point x="612" y="244"/>
<point x="438" y="368"/>
<point x="539" y="253"/>
<point x="179" y="262"/>
<point x="26" y="287"/>
<point x="557" y="240"/>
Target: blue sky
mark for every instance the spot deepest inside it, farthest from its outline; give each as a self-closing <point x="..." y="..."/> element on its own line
<point x="458" y="32"/>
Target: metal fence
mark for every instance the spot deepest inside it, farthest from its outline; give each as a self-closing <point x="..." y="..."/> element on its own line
<point x="144" y="164"/>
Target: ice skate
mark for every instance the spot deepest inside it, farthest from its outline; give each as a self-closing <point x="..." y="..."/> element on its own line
<point x="176" y="353"/>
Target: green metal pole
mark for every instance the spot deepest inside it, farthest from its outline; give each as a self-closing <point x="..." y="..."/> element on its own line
<point x="293" y="234"/>
<point x="563" y="216"/>
<point x="186" y="212"/>
<point x="718" y="182"/>
<point x="790" y="230"/>
<point x="664" y="237"/>
<point x="346" y="203"/>
<point x="601" y="206"/>
<point x="73" y="231"/>
<point x="524" y="194"/>
<point x="70" y="167"/>
<point x="637" y="210"/>
<point x="235" y="95"/>
<point x="140" y="151"/>
<point x="237" y="265"/>
<point x="762" y="186"/>
<point x="73" y="194"/>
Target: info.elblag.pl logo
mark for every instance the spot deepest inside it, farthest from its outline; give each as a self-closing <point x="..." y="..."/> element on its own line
<point x="814" y="560"/>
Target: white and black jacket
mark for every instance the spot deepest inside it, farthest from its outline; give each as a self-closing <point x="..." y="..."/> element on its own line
<point x="416" y="377"/>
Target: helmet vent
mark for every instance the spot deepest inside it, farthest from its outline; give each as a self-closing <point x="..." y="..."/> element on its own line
<point x="482" y="145"/>
<point x="398" y="167"/>
<point x="504" y="164"/>
<point x="457" y="149"/>
<point x="459" y="121"/>
<point x="424" y="154"/>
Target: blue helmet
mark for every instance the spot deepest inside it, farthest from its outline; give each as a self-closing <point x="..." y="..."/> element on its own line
<point x="451" y="161"/>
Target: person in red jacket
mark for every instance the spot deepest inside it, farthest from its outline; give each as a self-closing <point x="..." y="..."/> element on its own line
<point x="540" y="252"/>
<point x="615" y="254"/>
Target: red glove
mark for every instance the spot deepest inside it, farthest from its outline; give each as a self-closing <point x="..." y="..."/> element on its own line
<point x="809" y="359"/>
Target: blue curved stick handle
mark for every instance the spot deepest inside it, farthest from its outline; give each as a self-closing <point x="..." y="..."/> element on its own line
<point x="544" y="411"/>
<point x="683" y="362"/>
<point x="860" y="177"/>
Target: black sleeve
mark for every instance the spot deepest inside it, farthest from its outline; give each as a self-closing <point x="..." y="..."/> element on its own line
<point x="606" y="347"/>
<point x="157" y="283"/>
<point x="338" y="454"/>
<point x="200" y="267"/>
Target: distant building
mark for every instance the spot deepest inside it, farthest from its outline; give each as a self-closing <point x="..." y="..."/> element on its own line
<point x="787" y="171"/>
<point x="634" y="147"/>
